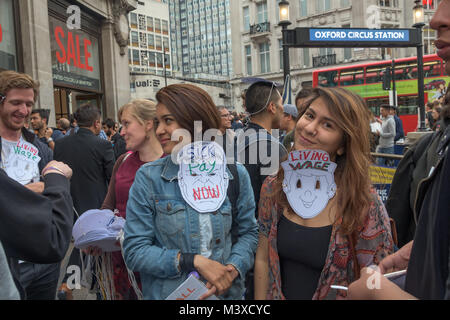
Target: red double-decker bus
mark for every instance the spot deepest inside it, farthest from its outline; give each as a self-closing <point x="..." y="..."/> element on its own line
<point x="366" y="79"/>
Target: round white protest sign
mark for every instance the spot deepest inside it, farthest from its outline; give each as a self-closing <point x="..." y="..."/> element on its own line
<point x="308" y="181"/>
<point x="202" y="176"/>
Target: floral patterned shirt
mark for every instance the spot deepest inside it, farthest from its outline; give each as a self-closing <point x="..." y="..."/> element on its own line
<point x="373" y="243"/>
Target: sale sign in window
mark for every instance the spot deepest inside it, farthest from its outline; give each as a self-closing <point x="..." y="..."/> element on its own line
<point x="75" y="57"/>
<point x="8" y="54"/>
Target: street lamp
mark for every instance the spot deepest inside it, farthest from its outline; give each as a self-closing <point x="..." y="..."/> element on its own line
<point x="164" y="64"/>
<point x="419" y="24"/>
<point x="284" y="22"/>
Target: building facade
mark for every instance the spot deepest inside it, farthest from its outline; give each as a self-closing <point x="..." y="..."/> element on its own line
<point x="149" y="42"/>
<point x="154" y="47"/>
<point x="257" y="38"/>
<point x="75" y="49"/>
<point x="202" y="38"/>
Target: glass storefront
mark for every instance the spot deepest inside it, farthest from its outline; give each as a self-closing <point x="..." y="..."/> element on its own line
<point x="8" y="50"/>
<point x="75" y="57"/>
<point x="76" y="64"/>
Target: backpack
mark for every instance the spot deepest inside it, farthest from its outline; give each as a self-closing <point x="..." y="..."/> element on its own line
<point x="233" y="194"/>
<point x="411" y="170"/>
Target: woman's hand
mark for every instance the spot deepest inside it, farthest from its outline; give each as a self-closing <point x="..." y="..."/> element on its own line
<point x="93" y="251"/>
<point x="219" y="277"/>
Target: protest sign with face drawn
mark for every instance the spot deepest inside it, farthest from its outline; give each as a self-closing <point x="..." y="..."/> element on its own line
<point x="308" y="181"/>
<point x="202" y="176"/>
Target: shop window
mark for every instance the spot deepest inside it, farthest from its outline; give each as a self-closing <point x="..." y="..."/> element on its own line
<point x="133" y="20"/>
<point x="157" y="25"/>
<point x="165" y="27"/>
<point x="158" y="43"/>
<point x="8" y="52"/>
<point x="134" y="39"/>
<point x="151" y="41"/>
<point x="142" y="20"/>
<point x="150" y="24"/>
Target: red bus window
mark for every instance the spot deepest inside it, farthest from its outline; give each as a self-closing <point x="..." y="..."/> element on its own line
<point x="350" y="77"/>
<point x="328" y="79"/>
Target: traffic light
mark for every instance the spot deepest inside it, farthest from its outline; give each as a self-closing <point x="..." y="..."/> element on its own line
<point x="387" y="79"/>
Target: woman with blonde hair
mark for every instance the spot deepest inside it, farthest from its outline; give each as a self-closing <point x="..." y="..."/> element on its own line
<point x="302" y="253"/>
<point x="138" y="132"/>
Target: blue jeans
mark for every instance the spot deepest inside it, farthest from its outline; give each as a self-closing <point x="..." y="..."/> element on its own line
<point x="385" y="161"/>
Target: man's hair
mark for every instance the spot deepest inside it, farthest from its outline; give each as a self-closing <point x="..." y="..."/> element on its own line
<point x="14" y="80"/>
<point x="109" y="123"/>
<point x="257" y="96"/>
<point x="64" y="123"/>
<point x="43" y="113"/>
<point x="220" y="108"/>
<point x="303" y="93"/>
<point x="387" y="106"/>
<point x="86" y="115"/>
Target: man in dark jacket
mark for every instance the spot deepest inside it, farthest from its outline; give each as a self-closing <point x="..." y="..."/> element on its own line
<point x="92" y="160"/>
<point x="257" y="148"/>
<point x="427" y="257"/>
<point x="36" y="227"/>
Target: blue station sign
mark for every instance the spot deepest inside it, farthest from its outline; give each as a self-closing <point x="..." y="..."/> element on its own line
<point x="352" y="37"/>
<point x="359" y="35"/>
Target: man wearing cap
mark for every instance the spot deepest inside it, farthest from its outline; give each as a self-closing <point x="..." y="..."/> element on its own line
<point x="387" y="135"/>
<point x="287" y="123"/>
<point x="399" y="133"/>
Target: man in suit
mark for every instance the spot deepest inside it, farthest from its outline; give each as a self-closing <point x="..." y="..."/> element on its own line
<point x="92" y="160"/>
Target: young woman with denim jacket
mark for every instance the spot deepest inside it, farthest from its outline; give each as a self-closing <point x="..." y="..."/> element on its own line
<point x="162" y="232"/>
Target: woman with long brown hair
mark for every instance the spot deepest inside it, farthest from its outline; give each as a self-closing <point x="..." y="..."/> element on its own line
<point x="167" y="235"/>
<point x="300" y="256"/>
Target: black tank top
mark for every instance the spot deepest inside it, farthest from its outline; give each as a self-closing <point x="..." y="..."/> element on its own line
<point x="302" y="252"/>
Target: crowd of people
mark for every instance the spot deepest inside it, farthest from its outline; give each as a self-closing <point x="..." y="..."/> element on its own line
<point x="293" y="216"/>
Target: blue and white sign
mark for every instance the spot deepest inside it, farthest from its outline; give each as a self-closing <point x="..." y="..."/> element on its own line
<point x="368" y="35"/>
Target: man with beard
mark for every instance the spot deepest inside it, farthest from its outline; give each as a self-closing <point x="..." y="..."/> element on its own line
<point x="39" y="123"/>
<point x="113" y="134"/>
<point x="23" y="156"/>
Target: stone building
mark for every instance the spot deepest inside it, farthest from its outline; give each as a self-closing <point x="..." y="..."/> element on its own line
<point x="77" y="50"/>
<point x="157" y="31"/>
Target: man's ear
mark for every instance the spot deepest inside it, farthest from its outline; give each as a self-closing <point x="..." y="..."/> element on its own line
<point x="272" y="107"/>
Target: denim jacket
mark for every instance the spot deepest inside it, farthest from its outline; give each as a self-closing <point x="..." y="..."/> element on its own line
<point x="160" y="224"/>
